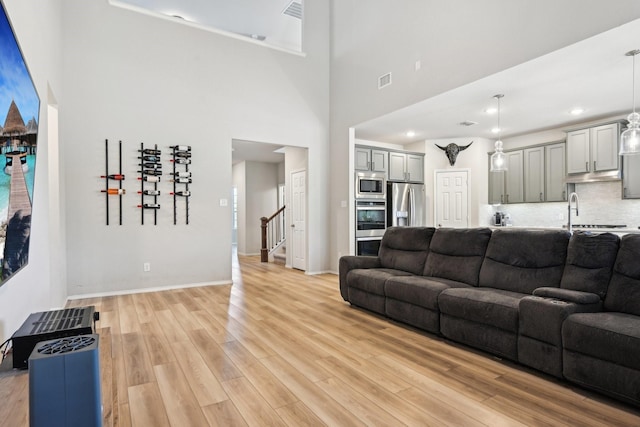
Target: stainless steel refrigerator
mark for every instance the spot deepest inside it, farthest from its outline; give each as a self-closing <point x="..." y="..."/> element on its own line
<point x="406" y="204"/>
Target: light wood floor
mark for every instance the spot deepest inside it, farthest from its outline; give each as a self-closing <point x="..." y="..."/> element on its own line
<point x="279" y="348"/>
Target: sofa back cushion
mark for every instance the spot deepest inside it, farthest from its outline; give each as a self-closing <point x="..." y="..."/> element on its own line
<point x="457" y="254"/>
<point x="623" y="294"/>
<point x="590" y="259"/>
<point x="523" y="260"/>
<point x="405" y="248"/>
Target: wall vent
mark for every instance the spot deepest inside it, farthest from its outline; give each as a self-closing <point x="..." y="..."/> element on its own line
<point x="294" y="9"/>
<point x="384" y="80"/>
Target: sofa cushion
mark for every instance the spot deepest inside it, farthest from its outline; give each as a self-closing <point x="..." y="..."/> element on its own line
<point x="419" y="290"/>
<point x="623" y="294"/>
<point x="372" y="280"/>
<point x="405" y="248"/>
<point x="523" y="260"/>
<point x="495" y="307"/>
<point x="457" y="254"/>
<point x="590" y="259"/>
<point x="614" y="337"/>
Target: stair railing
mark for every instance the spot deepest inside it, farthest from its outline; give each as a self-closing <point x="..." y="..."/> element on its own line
<point x="273" y="233"/>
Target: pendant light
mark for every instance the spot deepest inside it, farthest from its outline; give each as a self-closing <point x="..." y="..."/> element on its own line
<point x="498" y="158"/>
<point x="630" y="138"/>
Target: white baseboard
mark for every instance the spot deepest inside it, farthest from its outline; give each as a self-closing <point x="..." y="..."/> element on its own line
<point x="145" y="290"/>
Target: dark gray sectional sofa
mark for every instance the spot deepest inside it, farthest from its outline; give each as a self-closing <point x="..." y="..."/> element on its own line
<point x="567" y="305"/>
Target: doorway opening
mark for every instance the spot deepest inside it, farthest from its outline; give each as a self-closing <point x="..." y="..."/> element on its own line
<point x="263" y="175"/>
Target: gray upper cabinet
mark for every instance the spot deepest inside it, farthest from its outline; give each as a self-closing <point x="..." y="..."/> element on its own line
<point x="578" y="151"/>
<point x="593" y="149"/>
<point x="534" y="175"/>
<point x="514" y="177"/>
<point x="406" y="167"/>
<point x="631" y="177"/>
<point x="604" y="147"/>
<point x="496" y="186"/>
<point x="555" y="173"/>
<point x="369" y="159"/>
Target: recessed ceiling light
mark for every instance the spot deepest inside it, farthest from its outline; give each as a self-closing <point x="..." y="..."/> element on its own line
<point x="491" y="110"/>
<point x="577" y="111"/>
<point x="410" y="133"/>
<point x="495" y="130"/>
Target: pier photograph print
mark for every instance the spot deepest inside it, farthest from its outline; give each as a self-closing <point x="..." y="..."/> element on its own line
<point x="19" y="112"/>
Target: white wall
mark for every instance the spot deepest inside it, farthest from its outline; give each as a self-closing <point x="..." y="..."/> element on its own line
<point x="239" y="181"/>
<point x="474" y="159"/>
<point x="138" y="78"/>
<point x="458" y="42"/>
<point x="41" y="284"/>
<point x="261" y="200"/>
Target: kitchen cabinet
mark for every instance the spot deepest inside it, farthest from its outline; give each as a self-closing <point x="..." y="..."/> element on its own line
<point x="555" y="172"/>
<point x="594" y="149"/>
<point x="406" y="167"/>
<point x="534" y="174"/>
<point x="514" y="177"/>
<point x="496" y="187"/>
<point x="370" y="159"/>
<point x="631" y="177"/>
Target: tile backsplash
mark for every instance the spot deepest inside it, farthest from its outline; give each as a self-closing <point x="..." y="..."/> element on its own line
<point x="600" y="203"/>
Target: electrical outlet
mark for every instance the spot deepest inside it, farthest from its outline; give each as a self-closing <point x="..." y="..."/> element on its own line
<point x="146" y="266"/>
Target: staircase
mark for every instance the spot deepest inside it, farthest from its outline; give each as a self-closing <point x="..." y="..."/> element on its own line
<point x="273" y="234"/>
<point x="280" y="254"/>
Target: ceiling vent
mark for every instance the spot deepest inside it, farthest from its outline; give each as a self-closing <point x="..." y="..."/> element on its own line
<point x="468" y="123"/>
<point x="384" y="80"/>
<point x="294" y="9"/>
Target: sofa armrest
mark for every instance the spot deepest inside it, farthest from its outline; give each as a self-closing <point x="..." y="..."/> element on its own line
<point x="568" y="295"/>
<point x="352" y="262"/>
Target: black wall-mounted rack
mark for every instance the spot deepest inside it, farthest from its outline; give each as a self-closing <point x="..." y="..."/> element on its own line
<point x="118" y="177"/>
<point x="150" y="172"/>
<point x="181" y="176"/>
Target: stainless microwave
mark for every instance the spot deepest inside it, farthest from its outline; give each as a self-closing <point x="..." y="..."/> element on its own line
<point x="370" y="185"/>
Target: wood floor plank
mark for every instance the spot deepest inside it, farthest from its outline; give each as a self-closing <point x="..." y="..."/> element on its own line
<point x="268" y="385"/>
<point x="299" y="415"/>
<point x="146" y="406"/>
<point x="367" y="411"/>
<point x="256" y="411"/>
<point x="205" y="386"/>
<point x="223" y="414"/>
<point x="136" y="359"/>
<point x="218" y="362"/>
<point x="323" y="406"/>
<point x="108" y="386"/>
<point x="179" y="401"/>
<point x="158" y="346"/>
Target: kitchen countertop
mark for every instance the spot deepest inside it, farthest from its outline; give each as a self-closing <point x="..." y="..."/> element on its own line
<point x="594" y="230"/>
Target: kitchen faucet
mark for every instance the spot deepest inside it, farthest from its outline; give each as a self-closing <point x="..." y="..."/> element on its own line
<point x="572" y="197"/>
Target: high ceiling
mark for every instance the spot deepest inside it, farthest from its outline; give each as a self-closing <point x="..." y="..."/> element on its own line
<point x="593" y="74"/>
<point x="262" y="20"/>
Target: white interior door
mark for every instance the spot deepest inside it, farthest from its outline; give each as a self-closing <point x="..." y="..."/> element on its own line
<point x="298" y="220"/>
<point x="452" y="199"/>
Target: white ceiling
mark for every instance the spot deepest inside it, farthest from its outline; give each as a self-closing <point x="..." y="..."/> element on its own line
<point x="244" y="17"/>
<point x="593" y="74"/>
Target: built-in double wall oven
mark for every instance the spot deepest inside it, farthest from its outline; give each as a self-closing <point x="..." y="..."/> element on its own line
<point x="371" y="222"/>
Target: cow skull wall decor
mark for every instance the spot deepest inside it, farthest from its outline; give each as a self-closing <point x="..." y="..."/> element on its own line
<point x="452" y="151"/>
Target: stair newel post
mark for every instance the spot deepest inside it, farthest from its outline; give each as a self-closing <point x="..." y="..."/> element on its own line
<point x="264" y="251"/>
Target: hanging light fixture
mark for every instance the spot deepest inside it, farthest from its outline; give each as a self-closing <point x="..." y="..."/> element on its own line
<point x="498" y="159"/>
<point x="630" y="138"/>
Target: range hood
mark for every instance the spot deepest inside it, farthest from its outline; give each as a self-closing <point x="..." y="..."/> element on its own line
<point x="606" y="176"/>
